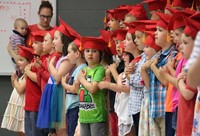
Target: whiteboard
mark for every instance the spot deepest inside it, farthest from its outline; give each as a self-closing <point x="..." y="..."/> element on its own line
<point x="9" y="11"/>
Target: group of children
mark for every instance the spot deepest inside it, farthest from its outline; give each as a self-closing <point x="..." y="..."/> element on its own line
<point x="136" y="79"/>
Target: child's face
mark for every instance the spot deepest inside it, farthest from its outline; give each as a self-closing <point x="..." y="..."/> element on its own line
<point x="160" y="36"/>
<point x="22" y="62"/>
<point x="118" y="49"/>
<point x="138" y="40"/>
<point x="177" y="38"/>
<point x="47" y="43"/>
<point x="150" y="52"/>
<point x="187" y="45"/>
<point x="126" y="58"/>
<point x="129" y="45"/>
<point x="113" y="24"/>
<point x="92" y="56"/>
<point x="72" y="55"/>
<point x="22" y="28"/>
<point x="57" y="42"/>
<point x="37" y="47"/>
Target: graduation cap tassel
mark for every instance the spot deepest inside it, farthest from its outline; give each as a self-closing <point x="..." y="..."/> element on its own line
<point x="192" y="7"/>
<point x="144" y="38"/>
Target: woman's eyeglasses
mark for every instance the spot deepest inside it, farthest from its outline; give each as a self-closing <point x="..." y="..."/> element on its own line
<point x="45" y="17"/>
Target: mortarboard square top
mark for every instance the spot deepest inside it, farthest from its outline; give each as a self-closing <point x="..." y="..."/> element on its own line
<point x="164" y="20"/>
<point x="25" y="52"/>
<point x="192" y="27"/>
<point x="38" y="35"/>
<point x="93" y="43"/>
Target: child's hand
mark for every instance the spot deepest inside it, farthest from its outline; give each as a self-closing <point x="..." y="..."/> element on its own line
<point x="13" y="77"/>
<point x="37" y="62"/>
<point x="163" y="71"/>
<point x="103" y="85"/>
<point x="129" y="69"/>
<point x="171" y="62"/>
<point x="65" y="78"/>
<point x="81" y="75"/>
<point x="113" y="67"/>
<point x="147" y="64"/>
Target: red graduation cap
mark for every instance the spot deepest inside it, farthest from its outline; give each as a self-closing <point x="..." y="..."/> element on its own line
<point x="195" y="17"/>
<point x="150" y="41"/>
<point x="192" y="27"/>
<point x="107" y="37"/>
<point x="120" y="34"/>
<point x="164" y="20"/>
<point x="155" y="4"/>
<point x="141" y="25"/>
<point x="72" y="34"/>
<point x="93" y="43"/>
<point x="25" y="52"/>
<point x="38" y="35"/>
<point x="77" y="42"/>
<point x="120" y="12"/>
<point x="178" y="19"/>
<point x="182" y="3"/>
<point x="139" y="12"/>
<point x="67" y="30"/>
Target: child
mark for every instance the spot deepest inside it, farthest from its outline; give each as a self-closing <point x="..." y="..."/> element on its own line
<point x="52" y="113"/>
<point x="122" y="90"/>
<point x="187" y="95"/>
<point x="33" y="90"/>
<point x="150" y="50"/>
<point x="72" y="100"/>
<point x="14" y="115"/>
<point x="171" y="71"/>
<point x="42" y="62"/>
<point x="157" y="91"/>
<point x="92" y="109"/>
<point x="17" y="38"/>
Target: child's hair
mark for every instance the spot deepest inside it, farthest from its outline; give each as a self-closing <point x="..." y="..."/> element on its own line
<point x="131" y="57"/>
<point x="188" y="36"/>
<point x="108" y="58"/>
<point x="133" y="38"/>
<point x="46" y="4"/>
<point x="18" y="20"/>
<point x="65" y="40"/>
<point x="181" y="28"/>
<point x="75" y="48"/>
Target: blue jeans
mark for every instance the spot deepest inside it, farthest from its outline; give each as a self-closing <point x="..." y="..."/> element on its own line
<point x="72" y="119"/>
<point x="30" y="124"/>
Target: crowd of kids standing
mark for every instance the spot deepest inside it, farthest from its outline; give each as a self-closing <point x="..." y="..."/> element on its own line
<point x="138" y="78"/>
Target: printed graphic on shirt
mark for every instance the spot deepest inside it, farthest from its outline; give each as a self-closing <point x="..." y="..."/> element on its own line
<point x="85" y="98"/>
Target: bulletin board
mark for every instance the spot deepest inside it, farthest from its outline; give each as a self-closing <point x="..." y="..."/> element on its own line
<point x="9" y="11"/>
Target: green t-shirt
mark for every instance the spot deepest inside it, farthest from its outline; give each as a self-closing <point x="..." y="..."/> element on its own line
<point x="92" y="107"/>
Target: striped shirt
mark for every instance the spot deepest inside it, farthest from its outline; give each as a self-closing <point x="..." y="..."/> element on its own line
<point x="157" y="92"/>
<point x="16" y="39"/>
